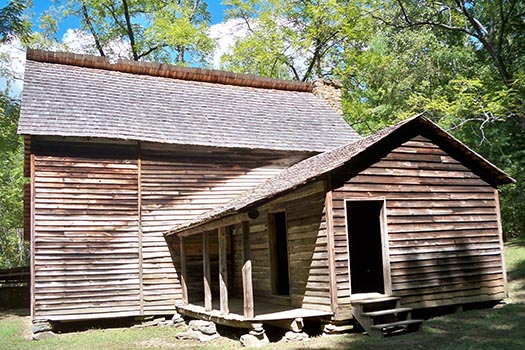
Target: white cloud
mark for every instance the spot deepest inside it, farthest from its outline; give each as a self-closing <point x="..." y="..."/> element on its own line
<point x="226" y="34"/>
<point x="13" y="56"/>
<point x="12" y="62"/>
<point x="81" y="42"/>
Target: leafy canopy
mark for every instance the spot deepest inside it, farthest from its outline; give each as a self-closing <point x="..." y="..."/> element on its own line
<point x="173" y="31"/>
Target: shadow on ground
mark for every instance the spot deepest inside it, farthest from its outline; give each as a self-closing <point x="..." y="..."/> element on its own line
<point x="500" y="328"/>
<point x="15" y="312"/>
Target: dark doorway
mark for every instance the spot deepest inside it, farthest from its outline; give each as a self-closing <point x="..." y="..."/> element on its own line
<point x="279" y="253"/>
<point x="363" y="219"/>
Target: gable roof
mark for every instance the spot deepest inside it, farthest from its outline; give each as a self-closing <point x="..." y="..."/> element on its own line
<point x="87" y="96"/>
<point x="314" y="167"/>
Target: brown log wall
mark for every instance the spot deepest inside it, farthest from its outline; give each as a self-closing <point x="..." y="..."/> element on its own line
<point x="442" y="220"/>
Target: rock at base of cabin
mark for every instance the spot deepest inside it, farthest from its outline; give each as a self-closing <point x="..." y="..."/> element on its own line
<point x="41" y="326"/>
<point x="330" y="328"/>
<point x="254" y="341"/>
<point x="43" y="335"/>
<point x="155" y="322"/>
<point x="196" y="335"/>
<point x="178" y="321"/>
<point x="204" y="327"/>
<point x="295" y="336"/>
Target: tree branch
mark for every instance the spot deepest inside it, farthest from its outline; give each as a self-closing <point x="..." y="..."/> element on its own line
<point x="85" y="14"/>
<point x="131" y="35"/>
<point x="150" y="50"/>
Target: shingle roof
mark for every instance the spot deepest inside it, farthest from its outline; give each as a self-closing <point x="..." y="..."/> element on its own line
<point x="312" y="168"/>
<point x="85" y="96"/>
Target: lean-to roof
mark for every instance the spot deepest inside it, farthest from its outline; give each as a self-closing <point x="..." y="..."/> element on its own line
<point x="314" y="167"/>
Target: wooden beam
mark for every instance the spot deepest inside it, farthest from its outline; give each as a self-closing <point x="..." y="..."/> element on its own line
<point x="385" y="249"/>
<point x="211" y="225"/>
<point x="206" y="271"/>
<point x="296" y="324"/>
<point x="223" y="272"/>
<point x="247" y="285"/>
<point x="500" y="234"/>
<point x="183" y="272"/>
<point x="139" y="226"/>
<point x="32" y="234"/>
<point x="329" y="217"/>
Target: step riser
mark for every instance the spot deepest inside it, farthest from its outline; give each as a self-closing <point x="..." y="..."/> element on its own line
<point x="384" y="316"/>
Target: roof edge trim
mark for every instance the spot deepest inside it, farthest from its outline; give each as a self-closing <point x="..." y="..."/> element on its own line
<point x="166" y="71"/>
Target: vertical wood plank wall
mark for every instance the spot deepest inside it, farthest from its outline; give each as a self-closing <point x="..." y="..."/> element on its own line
<point x="442" y="227"/>
<point x="87" y="233"/>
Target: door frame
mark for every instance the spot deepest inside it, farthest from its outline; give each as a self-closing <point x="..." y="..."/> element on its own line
<point x="385" y="252"/>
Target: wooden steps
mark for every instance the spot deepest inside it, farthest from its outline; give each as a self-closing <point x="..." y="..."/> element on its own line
<point x="380" y="316"/>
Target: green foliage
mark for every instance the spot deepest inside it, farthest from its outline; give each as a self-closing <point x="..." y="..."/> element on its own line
<point x="460" y="61"/>
<point x="291" y="39"/>
<point x="401" y="73"/>
<point x="13" y="22"/>
<point x="14" y="252"/>
<point x="183" y="25"/>
<point x="154" y="30"/>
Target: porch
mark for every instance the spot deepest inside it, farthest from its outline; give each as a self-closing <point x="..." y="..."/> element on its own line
<point x="210" y="253"/>
<point x="282" y="316"/>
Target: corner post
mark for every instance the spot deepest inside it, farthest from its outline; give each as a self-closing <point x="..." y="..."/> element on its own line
<point x="501" y="241"/>
<point x="223" y="272"/>
<point x="247" y="285"/>
<point x="206" y="271"/>
<point x="183" y="271"/>
<point x="329" y="217"/>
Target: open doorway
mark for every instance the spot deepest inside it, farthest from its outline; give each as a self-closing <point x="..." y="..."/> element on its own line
<point x="278" y="238"/>
<point x="365" y="244"/>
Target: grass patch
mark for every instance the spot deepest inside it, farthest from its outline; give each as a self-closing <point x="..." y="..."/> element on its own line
<point x="515" y="261"/>
<point x="487" y="329"/>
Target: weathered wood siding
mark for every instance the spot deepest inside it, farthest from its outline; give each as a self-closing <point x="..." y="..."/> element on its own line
<point x="178" y="184"/>
<point x="96" y="253"/>
<point x="307" y="248"/>
<point x="86" y="256"/>
<point x="442" y="226"/>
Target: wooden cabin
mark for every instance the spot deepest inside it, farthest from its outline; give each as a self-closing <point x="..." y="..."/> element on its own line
<point x="405" y="218"/>
<point x="242" y="200"/>
<point x="119" y="153"/>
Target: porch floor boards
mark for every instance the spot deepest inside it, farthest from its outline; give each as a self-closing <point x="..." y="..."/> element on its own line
<point x="264" y="312"/>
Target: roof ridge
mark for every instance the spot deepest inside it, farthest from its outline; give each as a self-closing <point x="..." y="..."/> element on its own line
<point x="167" y="71"/>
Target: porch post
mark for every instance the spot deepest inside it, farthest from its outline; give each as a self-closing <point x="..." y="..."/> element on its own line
<point x="206" y="271"/>
<point x="183" y="272"/>
<point x="247" y="285"/>
<point x="223" y="272"/>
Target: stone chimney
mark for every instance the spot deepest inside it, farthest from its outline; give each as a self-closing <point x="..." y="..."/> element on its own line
<point x="330" y="91"/>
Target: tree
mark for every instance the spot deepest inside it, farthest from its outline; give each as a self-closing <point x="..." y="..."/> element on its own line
<point x="13" y="251"/>
<point x="495" y="26"/>
<point x="460" y="61"/>
<point x="292" y="39"/>
<point x="13" y="24"/>
<point x="160" y="30"/>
